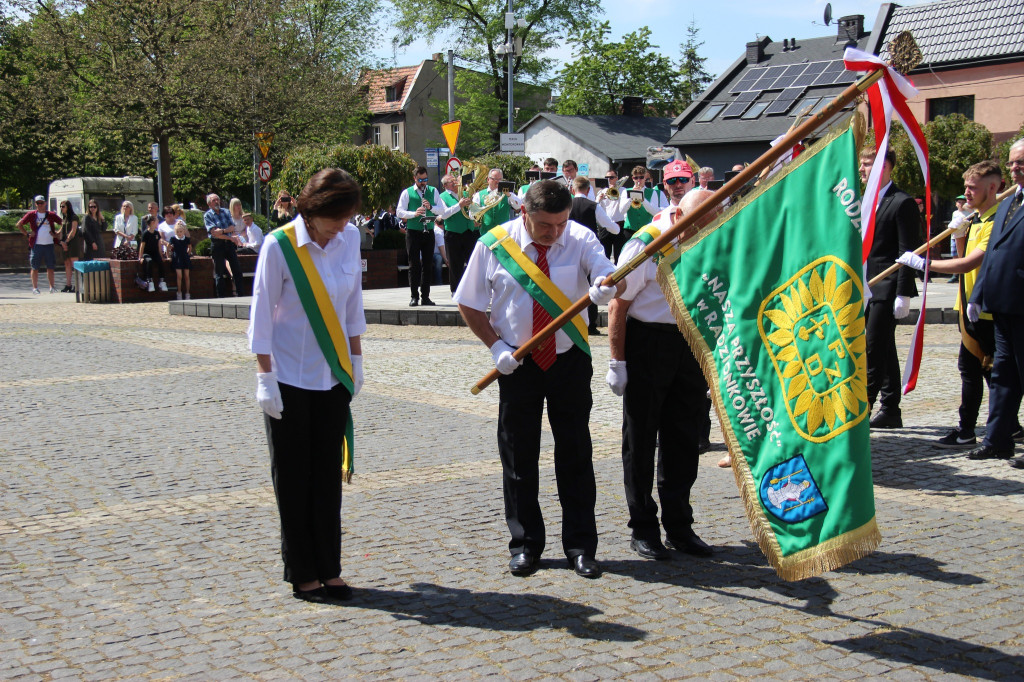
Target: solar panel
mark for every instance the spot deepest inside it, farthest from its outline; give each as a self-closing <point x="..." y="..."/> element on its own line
<point x="812" y="72"/>
<point x="829" y="73"/>
<point x="767" y="80"/>
<point x="748" y="79"/>
<point x="743" y="100"/>
<point x="844" y="76"/>
<point x="784" y="101"/>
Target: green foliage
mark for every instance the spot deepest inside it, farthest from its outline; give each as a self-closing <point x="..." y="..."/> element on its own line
<point x="381" y="172"/>
<point x="606" y="70"/>
<point x="1002" y="153"/>
<point x="389" y="239"/>
<point x="203" y="248"/>
<point x="9" y="222"/>
<point x="512" y="167"/>
<point x="195" y="219"/>
<point x="200" y="167"/>
<point x="691" y="67"/>
<point x="954" y="143"/>
<point x="263" y="223"/>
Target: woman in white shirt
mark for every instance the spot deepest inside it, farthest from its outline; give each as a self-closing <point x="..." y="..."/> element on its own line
<point x="305" y="397"/>
<point x="236" y="211"/>
<point x="126" y="225"/>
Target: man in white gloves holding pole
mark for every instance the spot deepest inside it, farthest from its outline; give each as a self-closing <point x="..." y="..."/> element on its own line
<point x="528" y="271"/>
<point x="664" y="394"/>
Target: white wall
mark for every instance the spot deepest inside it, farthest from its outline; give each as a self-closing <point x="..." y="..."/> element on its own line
<point x="544" y="139"/>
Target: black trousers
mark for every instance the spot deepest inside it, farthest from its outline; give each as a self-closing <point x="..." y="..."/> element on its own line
<point x="152" y="266"/>
<point x="460" y="247"/>
<point x="1005" y="387"/>
<point x="420" y="245"/>
<point x="883" y="363"/>
<point x="664" y="408"/>
<point x="566" y="388"/>
<point x="305" y="464"/>
<point x="972" y="380"/>
<point x="224" y="253"/>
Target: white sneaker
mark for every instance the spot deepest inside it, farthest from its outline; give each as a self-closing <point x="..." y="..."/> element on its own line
<point x="188" y="297"/>
<point x="35" y="291"/>
<point x="151" y="287"/>
<point x="179" y="295"/>
<point x="52" y="290"/>
<point x="163" y="286"/>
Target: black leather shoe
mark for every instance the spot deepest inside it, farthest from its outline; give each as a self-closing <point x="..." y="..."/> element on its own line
<point x="690" y="544"/>
<point x="988" y="452"/>
<point x="317" y="596"/>
<point x="522" y="564"/>
<point x="586" y="566"/>
<point x="650" y="549"/>
<point x="427" y="301"/>
<point x="338" y="592"/>
<point x="413" y="302"/>
<point x="886" y="421"/>
<point x="593" y="331"/>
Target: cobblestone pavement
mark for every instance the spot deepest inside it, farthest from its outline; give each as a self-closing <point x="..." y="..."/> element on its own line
<point x="139" y="537"/>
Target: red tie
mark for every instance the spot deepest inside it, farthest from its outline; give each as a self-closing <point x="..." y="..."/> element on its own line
<point x="544" y="354"/>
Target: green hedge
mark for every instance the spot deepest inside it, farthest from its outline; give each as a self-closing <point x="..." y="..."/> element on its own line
<point x="389" y="239"/>
<point x="203" y="248"/>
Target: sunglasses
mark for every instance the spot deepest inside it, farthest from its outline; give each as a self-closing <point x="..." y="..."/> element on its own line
<point x="40" y="203"/>
<point x="421" y="179"/>
<point x="672" y="181"/>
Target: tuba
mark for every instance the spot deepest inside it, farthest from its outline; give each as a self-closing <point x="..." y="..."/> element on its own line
<point x="480" y="172"/>
<point x="476" y="211"/>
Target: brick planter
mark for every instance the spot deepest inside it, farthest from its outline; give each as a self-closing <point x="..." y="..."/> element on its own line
<point x="123" y="273"/>
<point x="381" y="269"/>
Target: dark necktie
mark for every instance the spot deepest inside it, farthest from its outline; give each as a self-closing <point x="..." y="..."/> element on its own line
<point x="544" y="354"/>
<point x="1014" y="205"/>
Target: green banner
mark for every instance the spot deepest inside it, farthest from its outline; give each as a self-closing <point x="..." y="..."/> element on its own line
<point x="771" y="300"/>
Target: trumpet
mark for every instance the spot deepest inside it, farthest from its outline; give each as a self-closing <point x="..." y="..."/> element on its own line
<point x="636" y="202"/>
<point x="612" y="193"/>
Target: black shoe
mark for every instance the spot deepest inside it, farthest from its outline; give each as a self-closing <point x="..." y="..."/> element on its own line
<point x="650" y="549"/>
<point x="703" y="446"/>
<point x="953" y="280"/>
<point x="585" y="566"/>
<point x="413" y="302"/>
<point x="957" y="439"/>
<point x="1017" y="463"/>
<point x="883" y="420"/>
<point x="522" y="564"/>
<point x="690" y="544"/>
<point x="1018" y="435"/>
<point x="316" y="596"/>
<point x="427" y="301"/>
<point x="989" y="452"/>
<point x="65" y="289"/>
<point x="594" y="331"/>
<point x="338" y="592"/>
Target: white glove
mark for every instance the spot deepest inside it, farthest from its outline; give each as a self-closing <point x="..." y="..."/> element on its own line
<point x="357" y="374"/>
<point x="504" y="361"/>
<point x="959" y="224"/>
<point x="901" y="307"/>
<point x="600" y="295"/>
<point x="911" y="260"/>
<point x="616" y="378"/>
<point x="268" y="394"/>
<point x="973" y="312"/>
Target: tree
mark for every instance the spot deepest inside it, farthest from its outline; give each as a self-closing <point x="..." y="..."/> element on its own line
<point x="606" y="71"/>
<point x="954" y="143"/>
<point x="691" y="67"/>
<point x="478" y="28"/>
<point x="1002" y="153"/>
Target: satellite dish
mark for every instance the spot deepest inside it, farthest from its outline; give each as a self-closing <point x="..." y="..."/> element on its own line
<point x="828" y="13"/>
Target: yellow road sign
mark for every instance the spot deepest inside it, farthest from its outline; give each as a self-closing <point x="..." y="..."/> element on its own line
<point x="264" y="140"/>
<point x="451" y="134"/>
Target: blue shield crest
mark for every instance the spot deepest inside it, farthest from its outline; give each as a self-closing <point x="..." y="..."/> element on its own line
<point x="789" y="493"/>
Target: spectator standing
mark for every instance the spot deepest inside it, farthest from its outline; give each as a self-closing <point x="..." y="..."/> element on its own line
<point x="283" y="210"/>
<point x="70" y="241"/>
<point x="181" y="259"/>
<point x="224" y="252"/>
<point x="236" y="211"/>
<point x="126" y="226"/>
<point x="94" y="226"/>
<point x="150" y="253"/>
<point x="41" y="234"/>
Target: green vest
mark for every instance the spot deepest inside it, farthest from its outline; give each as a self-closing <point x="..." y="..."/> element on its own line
<point x="499" y="215"/>
<point x="638" y="217"/>
<point x="426" y="222"/>
<point x="457" y="223"/>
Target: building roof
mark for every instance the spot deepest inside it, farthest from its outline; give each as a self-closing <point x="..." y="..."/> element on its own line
<point x="620" y="138"/>
<point x="956" y="32"/>
<point x="377" y="83"/>
<point x="757" y="102"/>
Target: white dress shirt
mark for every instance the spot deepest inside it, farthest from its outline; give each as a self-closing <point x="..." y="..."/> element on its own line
<point x="129" y="227"/>
<point x="513" y="199"/>
<point x="614" y="209"/>
<point x="575" y="260"/>
<point x="253" y="237"/>
<point x="648" y="302"/>
<point x="278" y="325"/>
<point x="605" y="221"/>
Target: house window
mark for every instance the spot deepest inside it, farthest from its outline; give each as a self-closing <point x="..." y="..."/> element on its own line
<point x="944" y="106"/>
<point x="710" y="113"/>
<point x="390" y="93"/>
<point x="376" y="134"/>
<point x="396" y="135"/>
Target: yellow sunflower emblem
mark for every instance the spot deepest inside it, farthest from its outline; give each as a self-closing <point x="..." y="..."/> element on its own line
<point x="813" y="328"/>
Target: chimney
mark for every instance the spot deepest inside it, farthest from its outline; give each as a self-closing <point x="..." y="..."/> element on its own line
<point x="439" y="57"/>
<point x="851" y="29"/>
<point x="755" y="50"/>
<point x="633" y="106"/>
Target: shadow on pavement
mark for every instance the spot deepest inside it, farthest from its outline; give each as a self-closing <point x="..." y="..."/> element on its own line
<point x="924" y="567"/>
<point x="508" y="612"/>
<point x="907" y="465"/>
<point x="928" y="650"/>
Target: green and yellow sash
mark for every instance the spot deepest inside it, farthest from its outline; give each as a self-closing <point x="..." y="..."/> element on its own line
<point x="326" y="327"/>
<point x="648" y="234"/>
<point x="537" y="284"/>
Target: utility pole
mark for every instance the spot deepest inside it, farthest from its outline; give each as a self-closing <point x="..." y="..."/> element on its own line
<point x="510" y="23"/>
<point x="451" y="85"/>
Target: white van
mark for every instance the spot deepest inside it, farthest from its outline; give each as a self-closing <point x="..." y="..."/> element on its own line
<point x="108" y="193"/>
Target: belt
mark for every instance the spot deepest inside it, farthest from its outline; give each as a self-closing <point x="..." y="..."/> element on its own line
<point x="659" y="326"/>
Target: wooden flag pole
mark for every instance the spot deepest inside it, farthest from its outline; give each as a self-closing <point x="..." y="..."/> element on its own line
<point x="932" y="242"/>
<point x="688" y="226"/>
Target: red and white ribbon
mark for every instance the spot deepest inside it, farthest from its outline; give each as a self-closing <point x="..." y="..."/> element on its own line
<point x="887" y="97"/>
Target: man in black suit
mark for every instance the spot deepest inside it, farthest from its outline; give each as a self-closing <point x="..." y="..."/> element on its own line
<point x="998" y="291"/>
<point x="589" y="214"/>
<point x="897" y="230"/>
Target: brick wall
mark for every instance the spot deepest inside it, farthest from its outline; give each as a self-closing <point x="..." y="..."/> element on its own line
<point x="14" y="247"/>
